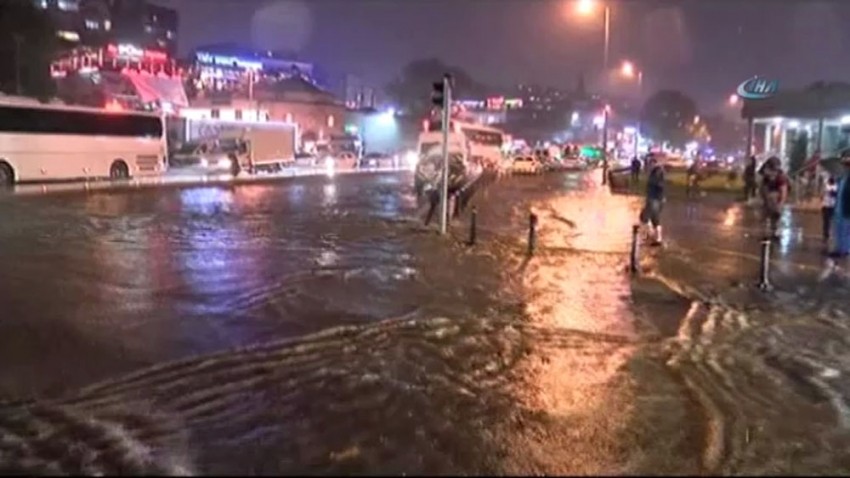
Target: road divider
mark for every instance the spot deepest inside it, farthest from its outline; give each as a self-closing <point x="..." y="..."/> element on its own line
<point x="176" y="179"/>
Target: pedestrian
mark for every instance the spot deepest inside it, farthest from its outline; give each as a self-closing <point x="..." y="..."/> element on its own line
<point x="635" y="170"/>
<point x="750" y="184"/>
<point x="692" y="180"/>
<point x="841" y="221"/>
<point x="774" y="192"/>
<point x="827" y="209"/>
<point x="650" y="215"/>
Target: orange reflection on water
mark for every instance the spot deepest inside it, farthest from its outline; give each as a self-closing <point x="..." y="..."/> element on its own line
<point x="578" y="294"/>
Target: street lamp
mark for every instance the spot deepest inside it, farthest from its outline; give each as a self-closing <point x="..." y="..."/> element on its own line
<point x="586" y="8"/>
<point x="628" y="70"/>
<point x="733" y="99"/>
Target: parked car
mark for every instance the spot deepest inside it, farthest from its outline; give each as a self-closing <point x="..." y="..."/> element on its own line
<point x="526" y="165"/>
<point x="377" y="160"/>
<point x="345" y="160"/>
<point x="207" y="157"/>
<point x="306" y="160"/>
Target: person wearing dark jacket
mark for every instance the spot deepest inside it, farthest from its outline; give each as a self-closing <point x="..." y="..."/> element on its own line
<point x="651" y="213"/>
<point x="774" y="192"/>
<point x="840" y="221"/>
<point x="750" y="183"/>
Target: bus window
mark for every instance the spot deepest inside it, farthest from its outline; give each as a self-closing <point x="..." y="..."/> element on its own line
<point x="48" y="121"/>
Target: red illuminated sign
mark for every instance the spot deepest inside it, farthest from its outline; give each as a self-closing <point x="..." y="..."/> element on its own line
<point x="495" y="103"/>
<point x="132" y="52"/>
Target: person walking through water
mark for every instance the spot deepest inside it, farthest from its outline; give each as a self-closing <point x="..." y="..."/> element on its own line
<point x="750" y="185"/>
<point x="635" y="170"/>
<point x="651" y="213"/>
<point x="827" y="208"/>
<point x="841" y="221"/>
<point x="774" y="193"/>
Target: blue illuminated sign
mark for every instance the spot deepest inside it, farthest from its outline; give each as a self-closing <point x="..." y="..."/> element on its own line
<point x="758" y="88"/>
<point x="210" y="59"/>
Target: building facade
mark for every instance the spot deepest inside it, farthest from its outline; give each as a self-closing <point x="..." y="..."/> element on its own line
<point x="96" y="23"/>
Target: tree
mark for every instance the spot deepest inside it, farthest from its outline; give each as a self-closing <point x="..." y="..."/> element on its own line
<point x="669" y="115"/>
<point x="411" y="91"/>
<point x="28" y="44"/>
<point x="799" y="152"/>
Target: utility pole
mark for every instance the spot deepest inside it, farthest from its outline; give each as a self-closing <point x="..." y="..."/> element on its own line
<point x="605" y="145"/>
<point x="446" y="117"/>
<point x="639" y="112"/>
<point x="18" y="40"/>
<point x="441" y="97"/>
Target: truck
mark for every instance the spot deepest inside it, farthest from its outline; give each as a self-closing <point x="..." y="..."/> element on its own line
<point x="256" y="146"/>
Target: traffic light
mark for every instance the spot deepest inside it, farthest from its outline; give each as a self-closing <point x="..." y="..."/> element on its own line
<point x="438" y="94"/>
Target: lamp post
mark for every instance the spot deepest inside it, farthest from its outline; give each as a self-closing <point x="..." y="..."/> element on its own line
<point x="586" y="7"/>
<point x="18" y="40"/>
<point x="628" y="70"/>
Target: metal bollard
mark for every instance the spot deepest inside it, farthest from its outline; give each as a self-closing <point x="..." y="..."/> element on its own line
<point x="764" y="272"/>
<point x="532" y="233"/>
<point x="473" y="226"/>
<point x="633" y="254"/>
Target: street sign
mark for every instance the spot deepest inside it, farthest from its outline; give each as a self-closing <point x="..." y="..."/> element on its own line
<point x="757" y="88"/>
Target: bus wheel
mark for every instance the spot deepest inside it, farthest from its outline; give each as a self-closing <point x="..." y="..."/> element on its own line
<point x="7" y="175"/>
<point x="119" y="170"/>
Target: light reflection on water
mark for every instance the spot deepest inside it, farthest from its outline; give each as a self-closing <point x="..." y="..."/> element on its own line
<point x="576" y="284"/>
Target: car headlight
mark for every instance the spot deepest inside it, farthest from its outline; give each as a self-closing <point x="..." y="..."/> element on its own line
<point x="373" y="162"/>
<point x="204" y="163"/>
<point x="412" y="158"/>
<point x="224" y="163"/>
<point x="329" y="162"/>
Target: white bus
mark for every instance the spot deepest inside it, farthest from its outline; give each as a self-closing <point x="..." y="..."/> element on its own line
<point x="41" y="142"/>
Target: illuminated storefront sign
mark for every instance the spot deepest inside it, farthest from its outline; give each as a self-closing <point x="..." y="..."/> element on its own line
<point x="132" y="52"/>
<point x="230" y="61"/>
<point x="495" y="103"/>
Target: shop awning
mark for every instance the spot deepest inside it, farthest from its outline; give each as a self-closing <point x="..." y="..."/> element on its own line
<point x="159" y="88"/>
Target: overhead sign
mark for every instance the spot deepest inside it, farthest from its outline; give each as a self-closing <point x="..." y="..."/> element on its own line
<point x="757" y="88"/>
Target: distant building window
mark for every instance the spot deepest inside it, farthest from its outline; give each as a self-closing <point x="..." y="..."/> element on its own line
<point x="238" y="114"/>
<point x="69" y="5"/>
<point x="92" y="24"/>
<point x="169" y="34"/>
<point x="331" y="121"/>
<point x="68" y="35"/>
<point x="148" y="28"/>
<point x="107" y="25"/>
<point x="215" y="114"/>
<point x="288" y="117"/>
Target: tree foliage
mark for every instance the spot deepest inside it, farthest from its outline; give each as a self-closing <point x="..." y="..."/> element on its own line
<point x="28" y="44"/>
<point x="412" y="89"/>
<point x="668" y="115"/>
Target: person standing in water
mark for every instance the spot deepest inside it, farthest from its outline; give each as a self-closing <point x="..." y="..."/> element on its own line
<point x="774" y="192"/>
<point x="827" y="209"/>
<point x="750" y="184"/>
<point x="651" y="213"/>
<point x="840" y="222"/>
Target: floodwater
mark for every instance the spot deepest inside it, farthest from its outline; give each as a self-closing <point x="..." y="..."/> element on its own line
<point x="315" y="326"/>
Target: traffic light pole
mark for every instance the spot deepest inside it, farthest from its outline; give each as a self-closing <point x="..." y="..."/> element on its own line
<point x="446" y="117"/>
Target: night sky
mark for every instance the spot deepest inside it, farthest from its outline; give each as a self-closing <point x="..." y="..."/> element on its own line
<point x="703" y="47"/>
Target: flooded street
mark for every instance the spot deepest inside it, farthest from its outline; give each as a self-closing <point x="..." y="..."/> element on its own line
<point x="315" y="326"/>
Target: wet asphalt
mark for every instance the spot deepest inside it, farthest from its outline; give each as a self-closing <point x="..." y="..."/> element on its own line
<point x="315" y="325"/>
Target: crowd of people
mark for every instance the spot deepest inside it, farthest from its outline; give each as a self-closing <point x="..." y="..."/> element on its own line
<point x="770" y="185"/>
